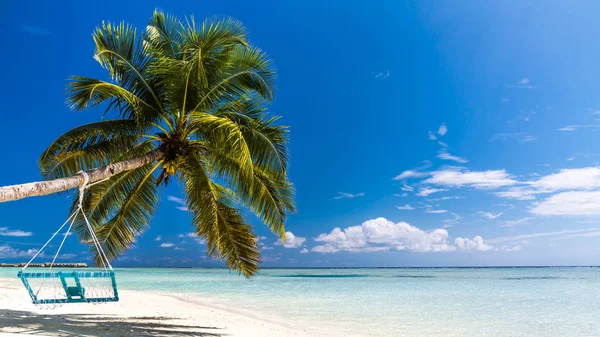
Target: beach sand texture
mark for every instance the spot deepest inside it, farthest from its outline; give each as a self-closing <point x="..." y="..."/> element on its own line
<point x="137" y="314"/>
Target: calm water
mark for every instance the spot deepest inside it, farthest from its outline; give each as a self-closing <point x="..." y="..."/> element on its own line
<point x="398" y="302"/>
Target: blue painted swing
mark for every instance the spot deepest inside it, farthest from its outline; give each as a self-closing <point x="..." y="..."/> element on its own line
<point x="59" y="287"/>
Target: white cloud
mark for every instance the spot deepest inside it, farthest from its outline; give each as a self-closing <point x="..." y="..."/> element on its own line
<point x="511" y="223"/>
<point x="538" y="235"/>
<point x="518" y="193"/>
<point x="569" y="179"/>
<point x="442" y="144"/>
<point x="383" y="75"/>
<point x="528" y="138"/>
<point x="181" y="202"/>
<point x="490" y="215"/>
<point x="444" y="155"/>
<point x="342" y="195"/>
<point x="524" y="83"/>
<point x="436" y="211"/>
<point x="4" y="231"/>
<point x="570" y="203"/>
<point x="7" y="251"/>
<point x="406" y="207"/>
<point x="410" y="174"/>
<point x="192" y="236"/>
<point x="383" y="235"/>
<point x="304" y="251"/>
<point x="407" y="188"/>
<point x="431" y="136"/>
<point x="475" y="243"/>
<point x="291" y="241"/>
<point x="445" y="198"/>
<point x="442" y="130"/>
<point x="588" y="234"/>
<point x="158" y="238"/>
<point x="458" y="177"/>
<point x="571" y="158"/>
<point x="509" y="136"/>
<point x="586" y="178"/>
<point x="176" y="199"/>
<point x="576" y="127"/>
<point x="428" y="190"/>
<point x="166" y="245"/>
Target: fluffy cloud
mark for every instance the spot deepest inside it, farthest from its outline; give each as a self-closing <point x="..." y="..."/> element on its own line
<point x="291" y="241"/>
<point x="570" y="203"/>
<point x="444" y="155"/>
<point x="342" y="195"/>
<point x="7" y="251"/>
<point x="458" y="177"/>
<point x="158" y="238"/>
<point x="304" y="251"/>
<point x="428" y="190"/>
<point x="490" y="215"/>
<point x="569" y="179"/>
<point x="586" y="178"/>
<point x="431" y="136"/>
<point x="475" y="243"/>
<point x="442" y="130"/>
<point x="4" y="231"/>
<point x="166" y="245"/>
<point x="382" y="235"/>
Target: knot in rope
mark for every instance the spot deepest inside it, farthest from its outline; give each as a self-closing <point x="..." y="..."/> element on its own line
<point x="86" y="180"/>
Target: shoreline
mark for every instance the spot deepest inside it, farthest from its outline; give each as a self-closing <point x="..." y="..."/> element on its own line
<point x="139" y="313"/>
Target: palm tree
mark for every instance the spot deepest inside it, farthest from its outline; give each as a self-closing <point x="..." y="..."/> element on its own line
<point x="191" y="102"/>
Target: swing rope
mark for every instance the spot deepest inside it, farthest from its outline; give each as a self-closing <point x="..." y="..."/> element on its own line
<point x="105" y="261"/>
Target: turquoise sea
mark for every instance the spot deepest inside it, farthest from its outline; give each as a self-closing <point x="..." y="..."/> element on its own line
<point x="470" y="302"/>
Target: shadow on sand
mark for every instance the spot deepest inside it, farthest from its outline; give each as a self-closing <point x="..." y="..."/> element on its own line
<point x="72" y="325"/>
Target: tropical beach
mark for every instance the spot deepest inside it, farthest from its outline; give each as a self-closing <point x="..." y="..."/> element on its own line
<point x="411" y="302"/>
<point x="142" y="314"/>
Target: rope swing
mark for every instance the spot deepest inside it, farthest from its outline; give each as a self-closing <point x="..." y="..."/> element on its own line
<point x="55" y="288"/>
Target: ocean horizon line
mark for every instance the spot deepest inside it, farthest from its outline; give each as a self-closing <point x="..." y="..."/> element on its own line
<point x="412" y="267"/>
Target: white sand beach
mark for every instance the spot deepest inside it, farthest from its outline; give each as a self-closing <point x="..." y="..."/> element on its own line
<point x="136" y="314"/>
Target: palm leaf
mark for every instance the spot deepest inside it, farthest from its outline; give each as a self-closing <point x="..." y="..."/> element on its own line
<point x="227" y="235"/>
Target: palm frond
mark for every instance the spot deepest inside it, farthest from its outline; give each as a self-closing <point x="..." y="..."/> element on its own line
<point x="227" y="135"/>
<point x="215" y="219"/>
<point x="87" y="146"/>
<point x="124" y="55"/>
<point x="266" y="141"/>
<point x="269" y="194"/>
<point x="85" y="92"/>
<point x="135" y="209"/>
<point x="103" y="200"/>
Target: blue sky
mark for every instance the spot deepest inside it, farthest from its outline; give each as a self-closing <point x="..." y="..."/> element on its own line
<point x="423" y="132"/>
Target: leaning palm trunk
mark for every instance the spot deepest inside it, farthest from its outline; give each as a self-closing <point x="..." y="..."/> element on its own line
<point x="35" y="189"/>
